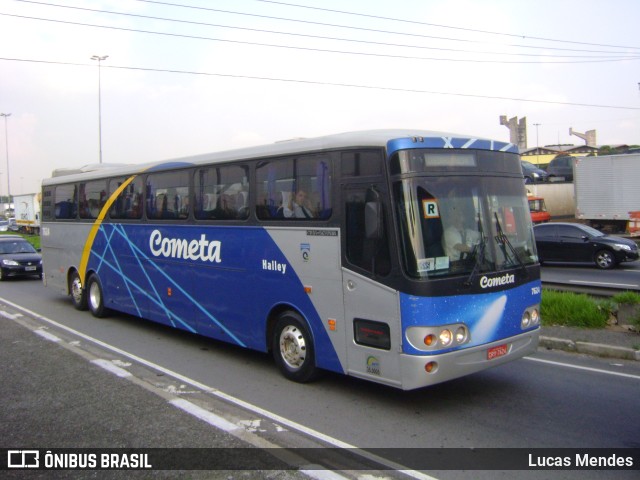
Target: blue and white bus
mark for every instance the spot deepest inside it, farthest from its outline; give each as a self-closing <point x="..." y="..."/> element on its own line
<point x="343" y="253"/>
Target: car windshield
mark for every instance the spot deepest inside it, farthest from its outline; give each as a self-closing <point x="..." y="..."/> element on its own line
<point x="537" y="205"/>
<point x="17" y="246"/>
<point x="464" y="224"/>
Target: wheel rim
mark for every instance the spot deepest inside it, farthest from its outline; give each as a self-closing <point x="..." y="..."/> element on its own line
<point x="76" y="290"/>
<point x="95" y="296"/>
<point x="293" y="347"/>
<point x="604" y="260"/>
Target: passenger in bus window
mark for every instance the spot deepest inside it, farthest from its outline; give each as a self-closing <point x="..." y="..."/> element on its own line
<point x="299" y="206"/>
<point x="459" y="239"/>
<point x="225" y="209"/>
<point x="160" y="205"/>
<point x="183" y="211"/>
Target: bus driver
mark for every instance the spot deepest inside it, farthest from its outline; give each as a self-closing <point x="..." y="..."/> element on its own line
<point x="459" y="240"/>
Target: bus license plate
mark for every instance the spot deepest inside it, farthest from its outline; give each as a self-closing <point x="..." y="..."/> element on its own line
<point x="496" y="352"/>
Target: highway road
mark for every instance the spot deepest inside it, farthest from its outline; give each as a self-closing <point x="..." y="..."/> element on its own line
<point x="550" y="400"/>
<point x="590" y="279"/>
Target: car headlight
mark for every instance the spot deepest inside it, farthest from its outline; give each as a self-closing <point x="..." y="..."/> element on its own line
<point x="10" y="263"/>
<point x="620" y="246"/>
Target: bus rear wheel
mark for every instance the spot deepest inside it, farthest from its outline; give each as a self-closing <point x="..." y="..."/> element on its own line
<point x="95" y="297"/>
<point x="293" y="349"/>
<point x="78" y="294"/>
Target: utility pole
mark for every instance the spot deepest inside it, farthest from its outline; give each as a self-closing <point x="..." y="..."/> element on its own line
<point x="537" y="144"/>
<point x="99" y="59"/>
<point x="6" y="144"/>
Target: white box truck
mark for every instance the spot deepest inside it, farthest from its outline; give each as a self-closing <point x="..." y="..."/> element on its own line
<point x="607" y="190"/>
<point x="27" y="212"/>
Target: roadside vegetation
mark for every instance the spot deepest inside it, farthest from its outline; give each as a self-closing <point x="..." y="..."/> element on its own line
<point x="580" y="310"/>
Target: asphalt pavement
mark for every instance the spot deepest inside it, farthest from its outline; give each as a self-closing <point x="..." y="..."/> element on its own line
<point x="53" y="398"/>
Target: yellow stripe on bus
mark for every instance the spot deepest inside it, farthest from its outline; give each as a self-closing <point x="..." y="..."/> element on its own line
<point x="86" y="252"/>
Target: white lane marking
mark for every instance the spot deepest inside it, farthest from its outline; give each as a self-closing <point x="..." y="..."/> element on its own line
<point x="236" y="401"/>
<point x="317" y="472"/>
<point x="10" y="316"/>
<point x="110" y="367"/>
<point x="49" y="336"/>
<point x="204" y="415"/>
<point x="586" y="369"/>
<point x="607" y="284"/>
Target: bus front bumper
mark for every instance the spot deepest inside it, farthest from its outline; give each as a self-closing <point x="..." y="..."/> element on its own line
<point x="466" y="361"/>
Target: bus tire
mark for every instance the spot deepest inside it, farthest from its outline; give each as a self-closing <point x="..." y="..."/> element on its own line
<point x="293" y="349"/>
<point x="95" y="297"/>
<point x="78" y="294"/>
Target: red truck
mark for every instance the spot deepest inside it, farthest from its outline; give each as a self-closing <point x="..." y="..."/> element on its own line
<point x="538" y="210"/>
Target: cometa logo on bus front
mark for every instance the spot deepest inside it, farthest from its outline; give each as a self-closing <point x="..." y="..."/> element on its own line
<point x="486" y="282"/>
<point x="203" y="249"/>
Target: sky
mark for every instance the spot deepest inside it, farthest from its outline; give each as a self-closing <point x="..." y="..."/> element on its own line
<point x="186" y="77"/>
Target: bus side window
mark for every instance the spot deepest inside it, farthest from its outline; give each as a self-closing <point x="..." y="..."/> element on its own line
<point x="370" y="254"/>
<point x="221" y="193"/>
<point x="164" y="191"/>
<point x="66" y="201"/>
<point x="128" y="204"/>
<point x="93" y="196"/>
<point x="294" y="189"/>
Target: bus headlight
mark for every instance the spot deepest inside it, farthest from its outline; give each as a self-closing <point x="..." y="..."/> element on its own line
<point x="530" y="317"/>
<point x="446" y="337"/>
<point x="461" y="335"/>
<point x="435" y="338"/>
<point x="535" y="317"/>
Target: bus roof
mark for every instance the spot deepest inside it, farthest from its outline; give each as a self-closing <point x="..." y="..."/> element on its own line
<point x="359" y="139"/>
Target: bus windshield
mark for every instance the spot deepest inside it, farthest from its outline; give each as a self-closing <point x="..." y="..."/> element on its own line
<point x="457" y="225"/>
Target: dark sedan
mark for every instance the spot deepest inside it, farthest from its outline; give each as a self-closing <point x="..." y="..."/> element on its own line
<point x="18" y="258"/>
<point x="533" y="174"/>
<point x="577" y="243"/>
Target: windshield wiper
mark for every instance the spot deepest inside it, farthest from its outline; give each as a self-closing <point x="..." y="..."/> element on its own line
<point x="504" y="242"/>
<point x="479" y="257"/>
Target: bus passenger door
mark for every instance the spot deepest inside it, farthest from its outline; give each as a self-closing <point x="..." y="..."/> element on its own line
<point x="372" y="318"/>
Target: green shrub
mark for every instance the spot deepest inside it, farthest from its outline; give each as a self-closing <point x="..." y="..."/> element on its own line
<point x="573" y="310"/>
<point x="628" y="298"/>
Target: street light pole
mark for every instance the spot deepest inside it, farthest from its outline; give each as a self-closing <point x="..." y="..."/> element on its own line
<point x="6" y="144"/>
<point x="537" y="144"/>
<point x="99" y="59"/>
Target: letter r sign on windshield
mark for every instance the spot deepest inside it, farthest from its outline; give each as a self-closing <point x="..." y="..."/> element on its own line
<point x="430" y="209"/>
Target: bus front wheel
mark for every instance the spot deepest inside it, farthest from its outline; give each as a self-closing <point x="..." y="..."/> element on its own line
<point x="95" y="297"/>
<point x="78" y="294"/>
<point x="293" y="348"/>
